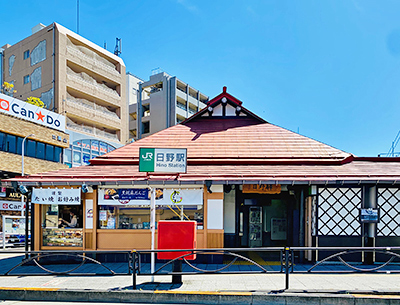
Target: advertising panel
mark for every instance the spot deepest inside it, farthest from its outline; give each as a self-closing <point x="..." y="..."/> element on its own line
<point x="29" y="112"/>
<point x="142" y="196"/>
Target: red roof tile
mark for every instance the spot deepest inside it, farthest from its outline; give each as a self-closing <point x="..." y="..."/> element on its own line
<point x="224" y="139"/>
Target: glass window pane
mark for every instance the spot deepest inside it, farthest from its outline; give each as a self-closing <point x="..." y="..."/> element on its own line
<point x="86" y="144"/>
<point x="86" y="158"/>
<point x="95" y="145"/>
<point x="58" y="154"/>
<point x="68" y="155"/>
<point x="19" y="146"/>
<point x="40" y="147"/>
<point x="110" y="148"/>
<point x="31" y="148"/>
<point x="117" y="217"/>
<point x="11" y="144"/>
<point x="77" y="157"/>
<point x="49" y="152"/>
<point x="103" y="148"/>
<point x="2" y="141"/>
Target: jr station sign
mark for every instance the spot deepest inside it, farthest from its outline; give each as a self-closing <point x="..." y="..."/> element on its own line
<point x="163" y="160"/>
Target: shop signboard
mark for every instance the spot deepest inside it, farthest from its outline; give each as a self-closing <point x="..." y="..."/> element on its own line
<point x="262" y="188"/>
<point x="57" y="196"/>
<point x="162" y="160"/>
<point x="11" y="206"/>
<point x="3" y="191"/>
<point x="29" y="112"/>
<point x="141" y="196"/>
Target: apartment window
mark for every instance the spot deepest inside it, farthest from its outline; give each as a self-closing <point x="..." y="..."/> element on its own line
<point x="26" y="54"/>
<point x="146" y="127"/>
<point x="146" y="110"/>
<point x="133" y="115"/>
<point x="133" y="133"/>
<point x="26" y="79"/>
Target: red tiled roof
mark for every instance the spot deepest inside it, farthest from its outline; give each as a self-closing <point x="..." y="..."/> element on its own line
<point x="242" y="138"/>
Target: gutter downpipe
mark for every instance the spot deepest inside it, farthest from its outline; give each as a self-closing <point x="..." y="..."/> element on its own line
<point x="139" y="113"/>
<point x="1" y="65"/>
<point x="54" y="66"/>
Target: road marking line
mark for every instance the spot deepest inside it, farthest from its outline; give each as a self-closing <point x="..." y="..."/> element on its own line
<point x="29" y="288"/>
<point x="203" y="292"/>
<point x="374" y="296"/>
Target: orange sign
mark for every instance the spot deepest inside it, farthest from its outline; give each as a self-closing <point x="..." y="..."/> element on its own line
<point x="262" y="188"/>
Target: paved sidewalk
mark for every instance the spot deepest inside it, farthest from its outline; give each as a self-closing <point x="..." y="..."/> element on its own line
<point x="205" y="288"/>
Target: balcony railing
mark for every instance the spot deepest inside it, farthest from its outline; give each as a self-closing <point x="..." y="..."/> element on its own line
<point x="180" y="105"/>
<point x="91" y="130"/>
<point x="84" y="106"/>
<point x="88" y="81"/>
<point x="92" y="58"/>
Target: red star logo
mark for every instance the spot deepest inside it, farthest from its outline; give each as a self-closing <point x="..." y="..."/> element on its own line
<point x="40" y="116"/>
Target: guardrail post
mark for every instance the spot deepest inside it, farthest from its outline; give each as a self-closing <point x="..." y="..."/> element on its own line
<point x="133" y="263"/>
<point x="287" y="270"/>
<point x="177" y="267"/>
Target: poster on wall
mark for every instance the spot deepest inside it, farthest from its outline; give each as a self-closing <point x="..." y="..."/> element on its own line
<point x="89" y="213"/>
<point x="136" y="196"/>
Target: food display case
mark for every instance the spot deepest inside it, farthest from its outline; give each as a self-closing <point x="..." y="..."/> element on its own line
<point x="63" y="237"/>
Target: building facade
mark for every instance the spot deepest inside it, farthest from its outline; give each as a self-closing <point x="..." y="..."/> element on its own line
<point x="73" y="77"/>
<point x="162" y="102"/>
<point x="247" y="183"/>
<point x="45" y="139"/>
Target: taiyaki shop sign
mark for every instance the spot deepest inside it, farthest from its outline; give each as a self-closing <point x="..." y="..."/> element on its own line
<point x="162" y="160"/>
<point x="32" y="113"/>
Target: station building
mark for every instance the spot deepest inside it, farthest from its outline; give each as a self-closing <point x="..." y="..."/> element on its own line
<point x="248" y="183"/>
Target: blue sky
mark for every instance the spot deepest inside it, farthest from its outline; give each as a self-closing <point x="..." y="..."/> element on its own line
<point x="328" y="69"/>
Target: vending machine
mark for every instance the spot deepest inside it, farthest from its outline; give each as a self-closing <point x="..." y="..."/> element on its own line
<point x="255" y="227"/>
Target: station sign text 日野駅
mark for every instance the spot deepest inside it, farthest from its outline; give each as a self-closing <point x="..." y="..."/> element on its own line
<point x="162" y="160"/>
<point x="29" y="112"/>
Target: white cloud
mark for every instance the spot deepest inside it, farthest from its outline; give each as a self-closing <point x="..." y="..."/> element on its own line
<point x="188" y="6"/>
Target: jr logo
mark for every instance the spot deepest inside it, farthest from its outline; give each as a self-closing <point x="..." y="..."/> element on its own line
<point x="148" y="156"/>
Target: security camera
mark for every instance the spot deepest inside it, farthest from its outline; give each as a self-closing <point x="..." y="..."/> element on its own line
<point x="85" y="188"/>
<point x="23" y="189"/>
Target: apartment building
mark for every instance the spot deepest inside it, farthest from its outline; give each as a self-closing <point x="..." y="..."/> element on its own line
<point x="76" y="78"/>
<point x="159" y="103"/>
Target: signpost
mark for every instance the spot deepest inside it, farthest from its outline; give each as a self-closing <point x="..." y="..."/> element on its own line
<point x="160" y="160"/>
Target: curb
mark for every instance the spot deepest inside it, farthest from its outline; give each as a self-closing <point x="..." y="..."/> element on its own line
<point x="194" y="297"/>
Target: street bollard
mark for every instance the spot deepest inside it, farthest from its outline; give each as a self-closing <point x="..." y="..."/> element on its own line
<point x="177" y="267"/>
